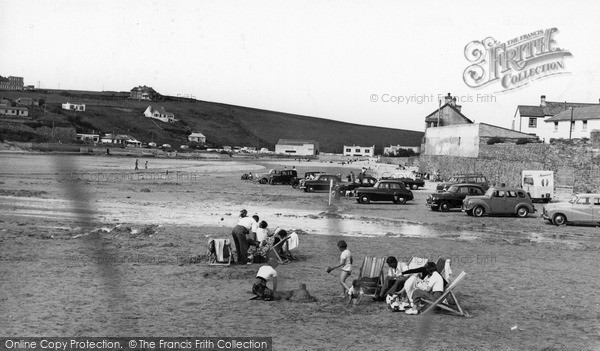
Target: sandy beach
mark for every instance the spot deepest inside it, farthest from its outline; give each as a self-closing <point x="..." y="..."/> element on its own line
<point x="92" y="247"/>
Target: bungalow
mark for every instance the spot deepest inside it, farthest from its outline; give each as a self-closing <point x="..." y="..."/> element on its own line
<point x="297" y="147"/>
<point x="528" y="118"/>
<point x="354" y="150"/>
<point x="74" y="107"/>
<point x="88" y="138"/>
<point x="575" y="122"/>
<point x="14" y="111"/>
<point x="160" y="114"/>
<point x="197" y="137"/>
<point x="26" y="102"/>
<point x="120" y="139"/>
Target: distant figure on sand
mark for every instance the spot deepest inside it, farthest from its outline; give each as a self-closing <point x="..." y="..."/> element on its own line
<point x="136" y="164"/>
<point x="146" y="165"/>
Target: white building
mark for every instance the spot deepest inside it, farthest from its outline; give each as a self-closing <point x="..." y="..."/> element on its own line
<point x="362" y="151"/>
<point x="531" y="119"/>
<point x="74" y="107"/>
<point x="297" y="147"/>
<point x="576" y="122"/>
<point x="88" y="138"/>
<point x="197" y="137"/>
<point x="159" y="113"/>
<point x="464" y="139"/>
<point x="14" y="111"/>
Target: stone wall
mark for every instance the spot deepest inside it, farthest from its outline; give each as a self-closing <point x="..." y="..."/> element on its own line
<point x="576" y="163"/>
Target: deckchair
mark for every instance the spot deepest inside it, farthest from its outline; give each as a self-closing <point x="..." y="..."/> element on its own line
<point x="442" y="301"/>
<point x="371" y="274"/>
<point x="288" y="243"/>
<point x="219" y="252"/>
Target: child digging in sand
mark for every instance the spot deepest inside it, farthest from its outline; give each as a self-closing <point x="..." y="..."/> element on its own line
<point x="355" y="293"/>
<point x="345" y="264"/>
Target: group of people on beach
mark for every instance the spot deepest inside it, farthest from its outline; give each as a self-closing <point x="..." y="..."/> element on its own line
<point x="403" y="289"/>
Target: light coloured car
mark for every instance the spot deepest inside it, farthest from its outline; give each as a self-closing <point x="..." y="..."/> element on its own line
<point x="582" y="208"/>
<point x="499" y="201"/>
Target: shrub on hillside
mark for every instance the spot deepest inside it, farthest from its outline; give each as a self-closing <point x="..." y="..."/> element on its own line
<point x="523" y="141"/>
<point x="494" y="140"/>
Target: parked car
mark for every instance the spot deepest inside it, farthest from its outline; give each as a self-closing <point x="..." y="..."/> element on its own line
<point x="322" y="182"/>
<point x="413" y="184"/>
<point x="582" y="208"/>
<point x="453" y="197"/>
<point x="344" y="189"/>
<point x="499" y="201"/>
<point x="263" y="178"/>
<point x="479" y="179"/>
<point x="384" y="190"/>
<point x="283" y="177"/>
<point x="307" y="175"/>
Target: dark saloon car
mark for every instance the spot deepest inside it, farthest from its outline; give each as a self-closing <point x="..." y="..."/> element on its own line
<point x="384" y="190"/>
<point x="347" y="189"/>
<point x="413" y="184"/>
<point x="453" y="197"/>
<point x="322" y="182"/>
<point x="283" y="177"/>
<point x="479" y="179"/>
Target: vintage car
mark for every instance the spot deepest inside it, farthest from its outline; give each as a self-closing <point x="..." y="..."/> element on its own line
<point x="296" y="182"/>
<point x="263" y="178"/>
<point x="347" y="189"/>
<point x="322" y="182"/>
<point x="384" y="190"/>
<point x="499" y="201"/>
<point x="453" y="197"/>
<point x="413" y="184"/>
<point x="479" y="179"/>
<point x="582" y="208"/>
<point x="283" y="177"/>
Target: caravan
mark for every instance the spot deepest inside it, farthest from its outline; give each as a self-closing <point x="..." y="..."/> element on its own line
<point x="538" y="184"/>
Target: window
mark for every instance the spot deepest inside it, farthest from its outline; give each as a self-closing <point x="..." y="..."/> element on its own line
<point x="458" y="140"/>
<point x="348" y="150"/>
<point x="583" y="201"/>
<point x="463" y="190"/>
<point x="528" y="181"/>
<point x="475" y="191"/>
<point x="357" y="150"/>
<point x="556" y="126"/>
<point x="511" y="193"/>
<point x="394" y="186"/>
<point x="498" y="193"/>
<point x="522" y="194"/>
<point x="596" y="201"/>
<point x="584" y="125"/>
<point x="532" y="122"/>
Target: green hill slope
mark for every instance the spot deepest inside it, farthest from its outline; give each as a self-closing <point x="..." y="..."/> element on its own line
<point x="222" y="124"/>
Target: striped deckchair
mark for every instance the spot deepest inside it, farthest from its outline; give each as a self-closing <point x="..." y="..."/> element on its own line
<point x="371" y="274"/>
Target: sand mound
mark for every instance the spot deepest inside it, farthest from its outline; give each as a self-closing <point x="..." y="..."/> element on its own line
<point x="299" y="295"/>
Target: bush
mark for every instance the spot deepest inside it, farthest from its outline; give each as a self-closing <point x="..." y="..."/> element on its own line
<point x="523" y="141"/>
<point x="494" y="140"/>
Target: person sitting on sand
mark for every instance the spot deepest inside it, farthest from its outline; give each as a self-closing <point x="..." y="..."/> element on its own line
<point x="428" y="285"/>
<point x="392" y="282"/>
<point x="282" y="250"/>
<point x="355" y="293"/>
<point x="264" y="274"/>
<point x="345" y="264"/>
<point x="258" y="252"/>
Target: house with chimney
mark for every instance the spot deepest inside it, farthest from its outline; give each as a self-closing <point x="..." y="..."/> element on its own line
<point x="159" y="113"/>
<point x="197" y="137"/>
<point x="143" y="93"/>
<point x="538" y="119"/>
<point x="574" y="123"/>
<point x="449" y="132"/>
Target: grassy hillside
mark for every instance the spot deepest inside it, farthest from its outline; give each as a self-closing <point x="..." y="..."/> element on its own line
<point x="221" y="124"/>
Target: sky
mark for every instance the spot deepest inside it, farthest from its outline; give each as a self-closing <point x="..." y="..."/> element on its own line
<point x="379" y="63"/>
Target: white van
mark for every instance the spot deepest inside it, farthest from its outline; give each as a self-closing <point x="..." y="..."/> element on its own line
<point x="538" y="184"/>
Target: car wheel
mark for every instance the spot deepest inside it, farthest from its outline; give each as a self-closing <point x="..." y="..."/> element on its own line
<point x="310" y="189"/>
<point x="559" y="219"/>
<point x="478" y="211"/>
<point x="263" y="181"/>
<point x="400" y="200"/>
<point x="414" y="187"/>
<point x="365" y="199"/>
<point x="445" y="206"/>
<point x="359" y="200"/>
<point x="271" y="181"/>
<point x="435" y="208"/>
<point x="522" y="212"/>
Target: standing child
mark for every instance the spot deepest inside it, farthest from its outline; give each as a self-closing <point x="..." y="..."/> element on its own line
<point x="355" y="293"/>
<point x="345" y="264"/>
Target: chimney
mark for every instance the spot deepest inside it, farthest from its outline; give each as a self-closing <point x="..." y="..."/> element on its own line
<point x="454" y="101"/>
<point x="543" y="100"/>
<point x="448" y="99"/>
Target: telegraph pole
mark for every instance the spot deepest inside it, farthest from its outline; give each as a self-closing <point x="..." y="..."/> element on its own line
<point x="571" y="124"/>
